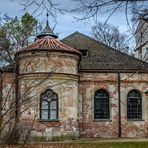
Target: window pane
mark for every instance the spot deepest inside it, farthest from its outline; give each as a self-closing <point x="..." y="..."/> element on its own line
<point x="53" y="104"/>
<point x="53" y="114"/>
<point x="44" y="105"/>
<point x="49" y="106"/>
<point x="101" y="105"/>
<point x="134" y="105"/>
<point x="44" y="114"/>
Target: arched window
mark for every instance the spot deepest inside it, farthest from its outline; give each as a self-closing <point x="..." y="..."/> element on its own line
<point x="49" y="105"/>
<point x="101" y="104"/>
<point x="134" y="105"/>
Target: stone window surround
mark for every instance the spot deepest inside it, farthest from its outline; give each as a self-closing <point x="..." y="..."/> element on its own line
<point x="141" y="106"/>
<point x="108" y="106"/>
<point x="49" y="101"/>
<point x="129" y="120"/>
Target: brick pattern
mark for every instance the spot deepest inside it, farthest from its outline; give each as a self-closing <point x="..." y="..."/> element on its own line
<point x="55" y="71"/>
<point x="89" y="83"/>
<point x="76" y="100"/>
<point x="48" y="62"/>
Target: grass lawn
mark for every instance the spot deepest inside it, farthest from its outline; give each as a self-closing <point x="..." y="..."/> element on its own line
<point x="87" y="144"/>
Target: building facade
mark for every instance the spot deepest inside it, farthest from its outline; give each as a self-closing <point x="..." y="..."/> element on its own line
<point x="141" y="50"/>
<point x="76" y="87"/>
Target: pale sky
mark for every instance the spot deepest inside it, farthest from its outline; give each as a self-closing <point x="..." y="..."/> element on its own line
<point x="66" y="24"/>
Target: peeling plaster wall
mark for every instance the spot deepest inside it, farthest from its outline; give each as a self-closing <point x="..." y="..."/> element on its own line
<point x="39" y="71"/>
<point x="134" y="128"/>
<point x="7" y="102"/>
<point x="57" y="71"/>
<point x="33" y="62"/>
<point x="8" y="91"/>
<point x="76" y="103"/>
<point x="67" y="90"/>
<point x="89" y="83"/>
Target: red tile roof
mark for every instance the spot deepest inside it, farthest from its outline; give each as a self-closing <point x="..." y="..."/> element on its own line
<point x="48" y="43"/>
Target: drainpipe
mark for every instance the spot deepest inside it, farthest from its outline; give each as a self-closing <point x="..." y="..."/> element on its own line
<point x="119" y="105"/>
<point x="83" y="116"/>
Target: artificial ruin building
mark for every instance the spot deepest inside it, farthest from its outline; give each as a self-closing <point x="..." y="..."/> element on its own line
<point x="77" y="87"/>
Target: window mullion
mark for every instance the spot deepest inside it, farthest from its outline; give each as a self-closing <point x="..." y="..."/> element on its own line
<point x="134" y="105"/>
<point x="48" y="110"/>
<point x="101" y="105"/>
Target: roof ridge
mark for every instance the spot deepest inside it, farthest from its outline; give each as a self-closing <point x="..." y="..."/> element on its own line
<point x="100" y="53"/>
<point x="104" y="45"/>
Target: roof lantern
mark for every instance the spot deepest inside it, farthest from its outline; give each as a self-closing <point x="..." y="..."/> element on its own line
<point x="47" y="31"/>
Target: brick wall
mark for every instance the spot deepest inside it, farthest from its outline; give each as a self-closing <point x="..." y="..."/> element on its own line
<point x="89" y="83"/>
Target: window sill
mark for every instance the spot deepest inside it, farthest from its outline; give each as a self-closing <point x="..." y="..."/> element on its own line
<point x="130" y="120"/>
<point x="47" y="120"/>
<point x="102" y="120"/>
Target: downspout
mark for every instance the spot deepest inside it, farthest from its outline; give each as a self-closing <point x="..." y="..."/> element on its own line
<point x="81" y="123"/>
<point x="83" y="116"/>
<point x="119" y="105"/>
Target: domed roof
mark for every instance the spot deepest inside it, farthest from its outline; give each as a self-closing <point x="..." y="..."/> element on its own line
<point x="50" y="44"/>
<point x="47" y="40"/>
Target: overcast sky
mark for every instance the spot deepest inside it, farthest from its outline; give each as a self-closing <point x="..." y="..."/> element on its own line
<point x="66" y="24"/>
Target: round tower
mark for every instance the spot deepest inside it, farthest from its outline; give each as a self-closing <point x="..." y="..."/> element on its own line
<point x="48" y="87"/>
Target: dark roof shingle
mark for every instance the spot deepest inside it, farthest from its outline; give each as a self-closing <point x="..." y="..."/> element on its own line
<point x="101" y="57"/>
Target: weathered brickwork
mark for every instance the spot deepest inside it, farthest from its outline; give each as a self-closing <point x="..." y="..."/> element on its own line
<point x="7" y="102"/>
<point x="138" y="82"/>
<point x="49" y="66"/>
<point x="49" y="72"/>
<point x="8" y="92"/>
<point x="89" y="83"/>
<point x="34" y="62"/>
<point x="76" y="102"/>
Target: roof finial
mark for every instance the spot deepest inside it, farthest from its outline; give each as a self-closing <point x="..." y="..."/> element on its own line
<point x="47" y="31"/>
<point x="47" y="23"/>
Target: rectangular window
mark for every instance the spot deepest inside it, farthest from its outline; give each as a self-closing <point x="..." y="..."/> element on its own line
<point x="84" y="52"/>
<point x="44" y="114"/>
<point x="101" y="105"/>
<point x="53" y="114"/>
<point x="134" y="105"/>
